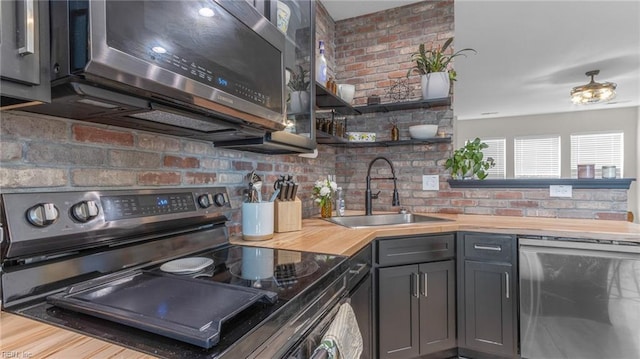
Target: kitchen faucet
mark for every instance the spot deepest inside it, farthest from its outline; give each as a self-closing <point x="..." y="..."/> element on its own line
<point x="367" y="194"/>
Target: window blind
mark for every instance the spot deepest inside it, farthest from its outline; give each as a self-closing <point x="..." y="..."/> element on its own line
<point x="497" y="151"/>
<point x="536" y="157"/>
<point x="601" y="149"/>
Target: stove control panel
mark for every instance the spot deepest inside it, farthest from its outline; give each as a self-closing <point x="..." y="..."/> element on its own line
<point x="143" y="205"/>
<point x="40" y="222"/>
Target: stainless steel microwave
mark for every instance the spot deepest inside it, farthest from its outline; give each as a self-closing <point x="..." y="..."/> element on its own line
<point x="205" y="69"/>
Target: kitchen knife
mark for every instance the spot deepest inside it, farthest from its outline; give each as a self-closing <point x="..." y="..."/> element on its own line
<point x="290" y="191"/>
<point x="284" y="188"/>
<point x="295" y="191"/>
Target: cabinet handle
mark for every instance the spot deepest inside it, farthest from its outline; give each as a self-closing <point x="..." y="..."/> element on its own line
<point x="415" y="285"/>
<point x="487" y="248"/>
<point x="361" y="267"/>
<point x="506" y="275"/>
<point x="425" y="282"/>
<point x="29" y="30"/>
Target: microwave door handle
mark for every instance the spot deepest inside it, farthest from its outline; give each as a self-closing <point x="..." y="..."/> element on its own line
<point x="26" y="13"/>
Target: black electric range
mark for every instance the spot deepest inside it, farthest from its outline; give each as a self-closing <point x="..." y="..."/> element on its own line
<point x="104" y="245"/>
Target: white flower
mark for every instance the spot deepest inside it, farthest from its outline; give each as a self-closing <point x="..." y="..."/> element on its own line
<point x="325" y="191"/>
<point x="333" y="185"/>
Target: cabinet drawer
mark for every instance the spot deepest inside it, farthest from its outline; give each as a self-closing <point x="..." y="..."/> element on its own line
<point x="404" y="250"/>
<point x="492" y="247"/>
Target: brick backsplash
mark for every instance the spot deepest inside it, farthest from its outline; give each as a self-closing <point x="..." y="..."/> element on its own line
<point x="44" y="153"/>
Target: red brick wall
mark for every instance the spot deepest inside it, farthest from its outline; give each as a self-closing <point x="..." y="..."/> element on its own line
<point x="373" y="51"/>
<point x="43" y="153"/>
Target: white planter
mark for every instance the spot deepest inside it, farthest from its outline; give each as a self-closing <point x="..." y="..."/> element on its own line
<point x="299" y="102"/>
<point x="435" y="85"/>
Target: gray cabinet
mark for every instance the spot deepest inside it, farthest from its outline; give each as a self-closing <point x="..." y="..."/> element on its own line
<point x="24" y="52"/>
<point x="361" y="301"/>
<point x="487" y="295"/>
<point x="416" y="305"/>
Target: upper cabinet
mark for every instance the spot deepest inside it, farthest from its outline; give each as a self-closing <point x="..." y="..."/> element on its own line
<point x="24" y="53"/>
<point x="296" y="18"/>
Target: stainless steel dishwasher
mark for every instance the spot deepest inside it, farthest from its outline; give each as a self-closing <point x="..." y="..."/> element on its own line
<point x="579" y="298"/>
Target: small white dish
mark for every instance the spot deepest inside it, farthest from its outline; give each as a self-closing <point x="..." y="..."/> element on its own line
<point x="187" y="265"/>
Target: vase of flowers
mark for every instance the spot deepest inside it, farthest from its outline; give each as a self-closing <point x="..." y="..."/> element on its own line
<point x="323" y="192"/>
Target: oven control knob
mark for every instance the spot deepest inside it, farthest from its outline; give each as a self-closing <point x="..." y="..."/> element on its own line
<point x="220" y="199"/>
<point x="205" y="200"/>
<point x="84" y="211"/>
<point x="42" y="215"/>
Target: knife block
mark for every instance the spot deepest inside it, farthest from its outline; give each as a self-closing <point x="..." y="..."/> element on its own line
<point x="287" y="216"/>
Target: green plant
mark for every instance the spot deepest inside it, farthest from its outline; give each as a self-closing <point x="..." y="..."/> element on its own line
<point x="299" y="80"/>
<point x="435" y="60"/>
<point x="468" y="161"/>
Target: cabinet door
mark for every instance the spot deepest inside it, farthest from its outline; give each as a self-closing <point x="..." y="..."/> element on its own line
<point x="437" y="307"/>
<point x="24" y="51"/>
<point x="361" y="302"/>
<point x="488" y="302"/>
<point x="398" y="301"/>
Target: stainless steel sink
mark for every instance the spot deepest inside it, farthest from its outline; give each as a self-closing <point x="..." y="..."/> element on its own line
<point x="383" y="220"/>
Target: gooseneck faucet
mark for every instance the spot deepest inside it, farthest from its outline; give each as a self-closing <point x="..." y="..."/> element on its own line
<point x="367" y="194"/>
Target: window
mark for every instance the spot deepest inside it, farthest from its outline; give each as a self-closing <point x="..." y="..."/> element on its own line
<point x="496" y="150"/>
<point x="537" y="157"/>
<point x="601" y="149"/>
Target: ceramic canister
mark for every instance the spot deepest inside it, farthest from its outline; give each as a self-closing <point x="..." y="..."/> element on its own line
<point x="257" y="220"/>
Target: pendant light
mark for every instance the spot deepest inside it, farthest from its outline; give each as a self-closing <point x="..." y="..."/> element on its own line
<point x="593" y="92"/>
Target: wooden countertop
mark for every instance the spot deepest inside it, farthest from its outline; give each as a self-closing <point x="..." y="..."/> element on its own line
<point x="22" y="338"/>
<point x="25" y="338"/>
<point x="321" y="236"/>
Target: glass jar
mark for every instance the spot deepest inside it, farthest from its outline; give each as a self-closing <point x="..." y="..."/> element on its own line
<point x="609" y="172"/>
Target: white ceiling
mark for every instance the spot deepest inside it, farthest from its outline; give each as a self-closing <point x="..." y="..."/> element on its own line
<point x="346" y="9"/>
<point x="531" y="53"/>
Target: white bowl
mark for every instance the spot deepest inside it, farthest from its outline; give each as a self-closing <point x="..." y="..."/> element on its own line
<point x="346" y="92"/>
<point x="422" y="132"/>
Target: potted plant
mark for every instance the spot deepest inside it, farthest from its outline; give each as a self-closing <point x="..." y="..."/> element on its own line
<point x="468" y="161"/>
<point x="299" y="86"/>
<point x="434" y="66"/>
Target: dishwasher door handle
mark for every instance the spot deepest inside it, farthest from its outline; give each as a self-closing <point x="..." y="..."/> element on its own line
<point x="570" y="247"/>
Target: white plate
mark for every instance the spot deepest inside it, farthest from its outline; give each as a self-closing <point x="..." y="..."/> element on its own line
<point x="187" y="265"/>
